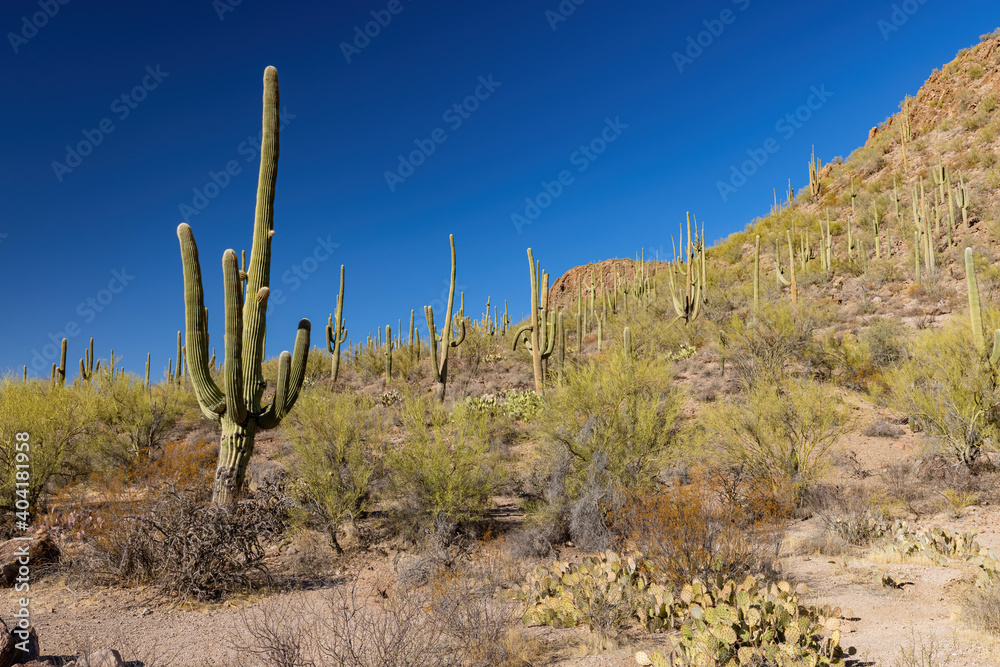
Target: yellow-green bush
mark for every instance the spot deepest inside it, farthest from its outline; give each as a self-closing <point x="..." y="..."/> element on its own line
<point x="446" y="470"/>
<point x="338" y="441"/>
<point x="56" y="420"/>
<point x="781" y="432"/>
<point x="625" y="408"/>
<point x="948" y="387"/>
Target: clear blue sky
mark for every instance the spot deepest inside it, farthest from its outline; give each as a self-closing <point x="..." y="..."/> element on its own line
<point x="191" y="72"/>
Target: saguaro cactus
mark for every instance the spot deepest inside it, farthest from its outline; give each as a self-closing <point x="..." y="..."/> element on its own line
<point x="238" y="408"/>
<point x="439" y="362"/>
<point x="179" y="371"/>
<point x="687" y="306"/>
<point x="388" y="353"/>
<point x="59" y="372"/>
<point x="87" y="366"/>
<point x="539" y="335"/>
<point x="336" y="332"/>
<point x="976" y="314"/>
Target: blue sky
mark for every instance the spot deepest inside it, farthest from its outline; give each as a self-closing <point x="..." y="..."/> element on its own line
<point x="123" y="119"/>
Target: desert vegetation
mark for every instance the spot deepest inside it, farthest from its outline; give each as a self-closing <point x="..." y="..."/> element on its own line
<point x="648" y="466"/>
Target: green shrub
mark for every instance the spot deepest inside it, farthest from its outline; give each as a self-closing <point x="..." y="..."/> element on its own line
<point x="766" y="347"/>
<point x="338" y="441"/>
<point x="885" y="341"/>
<point x="612" y="424"/>
<point x="782" y="432"/>
<point x="949" y="389"/>
<point x="445" y="472"/>
<point x="56" y="419"/>
<point x="132" y="421"/>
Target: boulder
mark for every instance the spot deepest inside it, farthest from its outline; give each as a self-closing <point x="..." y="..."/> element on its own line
<point x="42" y="550"/>
<point x="11" y="655"/>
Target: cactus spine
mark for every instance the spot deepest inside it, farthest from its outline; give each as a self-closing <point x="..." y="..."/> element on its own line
<point x="439" y="363"/>
<point x="539" y="334"/>
<point x="336" y="331"/>
<point x="87" y="366"/>
<point x="238" y="407"/>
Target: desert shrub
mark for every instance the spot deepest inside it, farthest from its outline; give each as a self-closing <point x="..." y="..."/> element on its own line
<point x="132" y="420"/>
<point x="765" y="347"/>
<point x="368" y="361"/>
<point x="885" y="341"/>
<point x="981" y="609"/>
<point x="479" y="628"/>
<point x="446" y="471"/>
<point x="882" y="429"/>
<point x="343" y="629"/>
<point x="781" y="432"/>
<point x="152" y="524"/>
<point x="610" y="425"/>
<point x="949" y="389"/>
<point x="478" y="344"/>
<point x="56" y="420"/>
<point x="708" y="527"/>
<point x="338" y="442"/>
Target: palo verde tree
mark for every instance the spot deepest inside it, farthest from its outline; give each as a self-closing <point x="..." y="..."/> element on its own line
<point x="237" y="406"/>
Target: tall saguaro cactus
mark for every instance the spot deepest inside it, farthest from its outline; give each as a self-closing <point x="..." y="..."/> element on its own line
<point x="539" y="335"/>
<point x="87" y="365"/>
<point x="439" y="362"/>
<point x="237" y="406"/>
<point x="336" y="332"/>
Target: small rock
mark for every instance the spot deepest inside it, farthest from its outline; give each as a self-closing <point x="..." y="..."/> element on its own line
<point x="106" y="657"/>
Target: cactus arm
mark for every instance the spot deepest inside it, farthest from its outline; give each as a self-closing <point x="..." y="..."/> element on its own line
<point x="329" y="335"/>
<point x="461" y="336"/>
<point x="210" y="397"/>
<point x="550" y="337"/>
<point x="995" y="356"/>
<point x="523" y="332"/>
<point x="236" y="406"/>
<point x="291" y="376"/>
